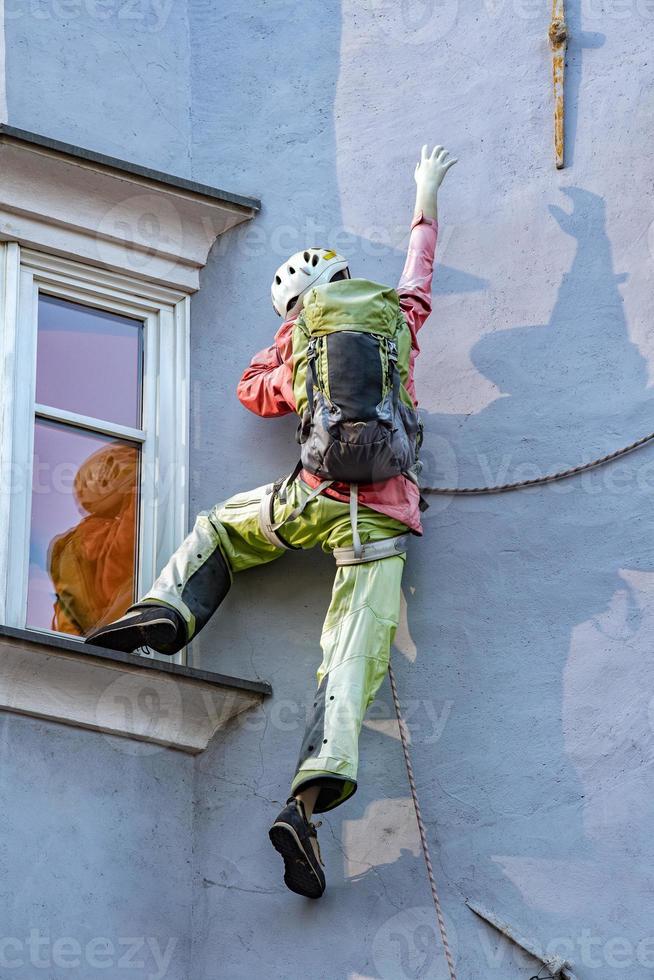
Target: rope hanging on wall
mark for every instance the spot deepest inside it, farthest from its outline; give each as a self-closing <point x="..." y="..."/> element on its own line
<point x="539" y="481"/>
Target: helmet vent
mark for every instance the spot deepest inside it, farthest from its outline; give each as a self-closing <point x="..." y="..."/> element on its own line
<point x="306" y="256"/>
<point x="314" y="260"/>
<point x="342" y="274"/>
<point x="291" y="303"/>
<point x="278" y="280"/>
<point x="291" y="270"/>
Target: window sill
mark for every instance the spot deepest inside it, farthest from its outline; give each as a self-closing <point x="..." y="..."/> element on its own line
<point x="119" y="693"/>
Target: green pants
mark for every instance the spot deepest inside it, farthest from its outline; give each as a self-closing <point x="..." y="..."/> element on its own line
<point x="358" y="629"/>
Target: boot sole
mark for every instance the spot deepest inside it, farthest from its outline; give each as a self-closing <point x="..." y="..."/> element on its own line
<point x="158" y="634"/>
<point x="299" y="875"/>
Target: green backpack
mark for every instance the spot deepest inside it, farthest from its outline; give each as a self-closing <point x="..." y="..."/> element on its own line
<point x="351" y="350"/>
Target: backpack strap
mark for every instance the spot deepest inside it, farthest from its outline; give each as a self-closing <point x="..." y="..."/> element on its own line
<point x="311" y="373"/>
<point x="394" y="371"/>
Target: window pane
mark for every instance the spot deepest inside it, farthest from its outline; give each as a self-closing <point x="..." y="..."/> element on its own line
<point x="84" y="528"/>
<point x="89" y="361"/>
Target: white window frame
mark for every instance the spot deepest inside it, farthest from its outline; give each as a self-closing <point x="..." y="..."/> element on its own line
<point x="163" y="516"/>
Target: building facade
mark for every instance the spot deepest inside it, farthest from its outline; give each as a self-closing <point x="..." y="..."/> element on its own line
<point x="159" y="161"/>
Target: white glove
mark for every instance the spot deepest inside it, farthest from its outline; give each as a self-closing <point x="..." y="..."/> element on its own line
<point x="430" y="171"/>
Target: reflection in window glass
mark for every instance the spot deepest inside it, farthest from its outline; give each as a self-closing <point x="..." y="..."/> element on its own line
<point x="83" y="540"/>
<point x="89" y="361"/>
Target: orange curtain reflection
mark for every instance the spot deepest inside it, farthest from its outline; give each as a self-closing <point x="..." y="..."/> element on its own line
<point x="93" y="565"/>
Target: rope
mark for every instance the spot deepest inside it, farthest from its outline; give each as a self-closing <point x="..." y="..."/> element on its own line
<point x="421" y="826"/>
<point x="551" y="478"/>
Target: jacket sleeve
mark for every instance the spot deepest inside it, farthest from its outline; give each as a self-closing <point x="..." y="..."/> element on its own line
<point x="266" y="387"/>
<point x="414" y="288"/>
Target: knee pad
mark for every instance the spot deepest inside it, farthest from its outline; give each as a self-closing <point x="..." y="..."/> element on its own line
<point x="207" y="588"/>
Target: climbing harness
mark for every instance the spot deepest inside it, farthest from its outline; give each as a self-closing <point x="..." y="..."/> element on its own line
<point x="358" y="554"/>
<point x="538" y="481"/>
<point x="373" y="550"/>
<point x="421" y="826"/>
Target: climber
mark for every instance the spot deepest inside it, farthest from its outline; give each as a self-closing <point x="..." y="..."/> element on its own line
<point x="343" y="359"/>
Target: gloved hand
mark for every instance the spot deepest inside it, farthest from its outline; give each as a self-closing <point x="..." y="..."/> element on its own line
<point x="430" y="171"/>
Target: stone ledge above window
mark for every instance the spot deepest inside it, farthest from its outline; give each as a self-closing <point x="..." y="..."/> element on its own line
<point x="86" y="206"/>
<point x="122" y="694"/>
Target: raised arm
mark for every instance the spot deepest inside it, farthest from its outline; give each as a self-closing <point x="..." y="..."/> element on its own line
<point x="415" y="283"/>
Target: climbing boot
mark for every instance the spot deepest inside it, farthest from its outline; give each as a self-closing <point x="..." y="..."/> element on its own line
<point x="291" y="835"/>
<point x="151" y="625"/>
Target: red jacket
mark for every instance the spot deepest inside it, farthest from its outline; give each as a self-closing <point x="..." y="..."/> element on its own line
<point x="266" y="387"/>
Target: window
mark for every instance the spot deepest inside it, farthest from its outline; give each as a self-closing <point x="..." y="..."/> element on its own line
<point x="93" y="439"/>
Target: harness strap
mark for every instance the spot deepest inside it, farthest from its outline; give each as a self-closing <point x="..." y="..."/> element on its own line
<point x="373" y="550"/>
<point x="354" y="512"/>
<point x="285" y="484"/>
<point x="266" y="519"/>
<point x="295" y="513"/>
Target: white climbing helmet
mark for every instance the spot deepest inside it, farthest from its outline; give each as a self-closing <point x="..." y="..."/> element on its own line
<point x="301" y="272"/>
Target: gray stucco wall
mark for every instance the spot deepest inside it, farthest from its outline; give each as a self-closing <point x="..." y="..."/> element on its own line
<point x="523" y="659"/>
<point x="111" y="75"/>
<point x="96" y="853"/>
